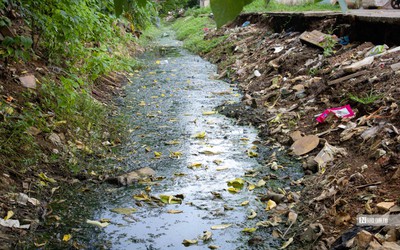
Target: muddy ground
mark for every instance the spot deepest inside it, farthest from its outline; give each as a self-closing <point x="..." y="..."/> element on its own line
<point x="286" y="84"/>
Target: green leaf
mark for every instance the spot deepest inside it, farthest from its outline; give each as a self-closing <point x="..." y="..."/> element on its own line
<point x="118" y="7"/>
<point x="226" y="10"/>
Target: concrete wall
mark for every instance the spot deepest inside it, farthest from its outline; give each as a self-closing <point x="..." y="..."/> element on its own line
<point x="204" y="3"/>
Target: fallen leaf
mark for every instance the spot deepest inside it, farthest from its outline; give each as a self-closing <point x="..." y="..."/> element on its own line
<point x="157" y="154"/>
<point x="233" y="190"/>
<point x="174" y="211"/>
<point x="251" y="187"/>
<point x="220" y="227"/>
<point x="270" y="205"/>
<point x="213" y="247"/>
<point x="292" y="217"/>
<point x="40" y="244"/>
<point x="173" y="142"/>
<point x="67" y="237"/>
<point x="218" y="162"/>
<point x="141" y="197"/>
<point x="236" y="183"/>
<point x="170" y="199"/>
<point x="249" y="229"/>
<point x="200" y="135"/>
<point x="287" y="243"/>
<point x="9" y="215"/>
<point x="261" y="183"/>
<point x="175" y="155"/>
<point x="210" y="152"/>
<point x="206" y="236"/>
<point x="189" y="242"/>
<point x="209" y="112"/>
<point x="244" y="203"/>
<point x="252" y="215"/>
<point x="195" y="165"/>
<point x="252" y="154"/>
<point x="222" y="168"/>
<point x="44" y="177"/>
<point x="305" y="144"/>
<point x="123" y="210"/>
<point x="97" y="223"/>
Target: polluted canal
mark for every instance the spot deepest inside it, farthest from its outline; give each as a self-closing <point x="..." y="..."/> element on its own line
<point x="200" y="196"/>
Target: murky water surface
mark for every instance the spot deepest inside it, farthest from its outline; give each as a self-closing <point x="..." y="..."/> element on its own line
<point x="168" y="102"/>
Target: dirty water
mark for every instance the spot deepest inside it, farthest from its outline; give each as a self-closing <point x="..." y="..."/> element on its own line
<point x="168" y="103"/>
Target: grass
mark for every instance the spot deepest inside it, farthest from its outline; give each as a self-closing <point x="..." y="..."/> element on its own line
<point x="191" y="31"/>
<point x="366" y="99"/>
<point x="260" y="6"/>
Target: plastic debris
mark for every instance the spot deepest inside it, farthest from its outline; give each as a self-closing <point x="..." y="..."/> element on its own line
<point x="344" y="40"/>
<point x="379" y="49"/>
<point x="245" y="24"/>
<point x="339" y="112"/>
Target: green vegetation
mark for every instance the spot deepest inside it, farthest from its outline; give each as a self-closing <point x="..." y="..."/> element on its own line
<point x="261" y="5"/>
<point x="367" y="99"/>
<point x="77" y="42"/>
<point x="192" y="31"/>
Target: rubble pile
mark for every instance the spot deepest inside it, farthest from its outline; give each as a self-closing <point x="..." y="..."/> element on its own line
<point x="335" y="104"/>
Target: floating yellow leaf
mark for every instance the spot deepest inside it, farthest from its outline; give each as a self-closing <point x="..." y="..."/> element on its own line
<point x="44" y="177"/>
<point x="244" y="139"/>
<point x="236" y="183"/>
<point x="97" y="223"/>
<point x="175" y="155"/>
<point x="287" y="243"/>
<point x="200" y="135"/>
<point x="179" y="174"/>
<point x="209" y="112"/>
<point x="158" y="62"/>
<point x="123" y="210"/>
<point x="233" y="190"/>
<point x="220" y="227"/>
<point x="218" y="162"/>
<point x="244" y="203"/>
<point x="174" y="211"/>
<point x="195" y="165"/>
<point x="252" y="154"/>
<point x="261" y="183"/>
<point x="222" y="168"/>
<point x="252" y="215"/>
<point x="249" y="229"/>
<point x="142" y="103"/>
<point x="148" y="149"/>
<point x="270" y="205"/>
<point x="141" y="197"/>
<point x="170" y="199"/>
<point x="189" y="242"/>
<point x="173" y="142"/>
<point x="251" y="187"/>
<point x="67" y="237"/>
<point x="157" y="154"/>
<point x="9" y="215"/>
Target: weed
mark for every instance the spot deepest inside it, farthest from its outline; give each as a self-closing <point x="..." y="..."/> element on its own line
<point x="262" y="5"/>
<point x="366" y="99"/>
<point x="329" y="44"/>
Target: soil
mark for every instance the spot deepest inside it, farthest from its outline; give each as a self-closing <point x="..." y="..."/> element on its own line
<point x="269" y="68"/>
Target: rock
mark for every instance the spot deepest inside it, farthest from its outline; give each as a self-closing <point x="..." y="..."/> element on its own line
<point x="132" y="177"/>
<point x="55" y="139"/>
<point x="273" y="196"/>
<point x="28" y="81"/>
<point x="146" y="172"/>
<point x="374" y="245"/>
<point x="363" y="239"/>
<point x="305" y="144"/>
<point x="385" y="206"/>
<point x="359" y="65"/>
<point x="313" y="232"/>
<point x="392" y="235"/>
<point x="298" y="87"/>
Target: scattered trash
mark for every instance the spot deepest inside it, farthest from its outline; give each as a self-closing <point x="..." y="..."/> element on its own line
<point x="344" y="40"/>
<point x="339" y="112"/>
<point x="327" y="154"/>
<point x="13" y="224"/>
<point x="257" y="73"/>
<point x="245" y="24"/>
<point x="379" y="49"/>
